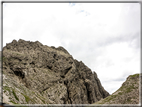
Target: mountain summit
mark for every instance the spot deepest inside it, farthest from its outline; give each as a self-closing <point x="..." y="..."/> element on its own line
<point x="34" y="73"/>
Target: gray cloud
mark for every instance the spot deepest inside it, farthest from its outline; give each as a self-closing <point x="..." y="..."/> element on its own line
<point x="121" y="38"/>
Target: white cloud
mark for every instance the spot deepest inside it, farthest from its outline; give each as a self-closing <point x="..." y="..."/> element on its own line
<point x="105" y="36"/>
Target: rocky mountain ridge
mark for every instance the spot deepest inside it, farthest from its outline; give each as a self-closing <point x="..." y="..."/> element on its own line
<point x="38" y="74"/>
<point x="128" y="93"/>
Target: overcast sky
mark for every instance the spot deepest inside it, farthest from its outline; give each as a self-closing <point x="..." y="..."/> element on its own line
<point x="105" y="36"/>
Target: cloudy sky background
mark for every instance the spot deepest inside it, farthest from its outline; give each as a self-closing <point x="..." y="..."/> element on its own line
<point x="105" y="36"/>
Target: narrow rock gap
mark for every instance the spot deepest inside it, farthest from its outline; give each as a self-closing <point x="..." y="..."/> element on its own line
<point x="68" y="96"/>
<point x="19" y="73"/>
<point x="62" y="76"/>
<point x="66" y="84"/>
<point x="88" y="95"/>
<point x="49" y="67"/>
<point x="45" y="89"/>
<point x="67" y="70"/>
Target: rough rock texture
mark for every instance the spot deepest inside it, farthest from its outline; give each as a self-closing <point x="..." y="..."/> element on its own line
<point x="128" y="93"/>
<point x="37" y="74"/>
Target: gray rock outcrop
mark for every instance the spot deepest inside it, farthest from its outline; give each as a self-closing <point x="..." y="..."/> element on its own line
<point x="38" y="74"/>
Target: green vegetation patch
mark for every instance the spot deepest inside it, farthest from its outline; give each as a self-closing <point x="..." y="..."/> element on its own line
<point x="43" y="101"/>
<point x="6" y="88"/>
<point x="135" y="75"/>
<point x="129" y="89"/>
<point x="120" y="93"/>
<point x="26" y="97"/>
<point x="110" y="98"/>
<point x="129" y="100"/>
<point x="15" y="95"/>
<point x="4" y="58"/>
<point x="13" y="102"/>
<point x="41" y="98"/>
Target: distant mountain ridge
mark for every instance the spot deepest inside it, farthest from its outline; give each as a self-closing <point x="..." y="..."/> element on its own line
<point x="38" y="74"/>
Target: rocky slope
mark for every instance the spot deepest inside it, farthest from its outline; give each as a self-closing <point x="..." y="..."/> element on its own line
<point x="128" y="93"/>
<point x="37" y="74"/>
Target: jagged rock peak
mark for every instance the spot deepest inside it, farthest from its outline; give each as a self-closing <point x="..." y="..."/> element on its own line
<point x="44" y="74"/>
<point x="22" y="45"/>
<point x="60" y="48"/>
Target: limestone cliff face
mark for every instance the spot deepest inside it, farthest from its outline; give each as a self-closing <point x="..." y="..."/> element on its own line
<point x="37" y="74"/>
